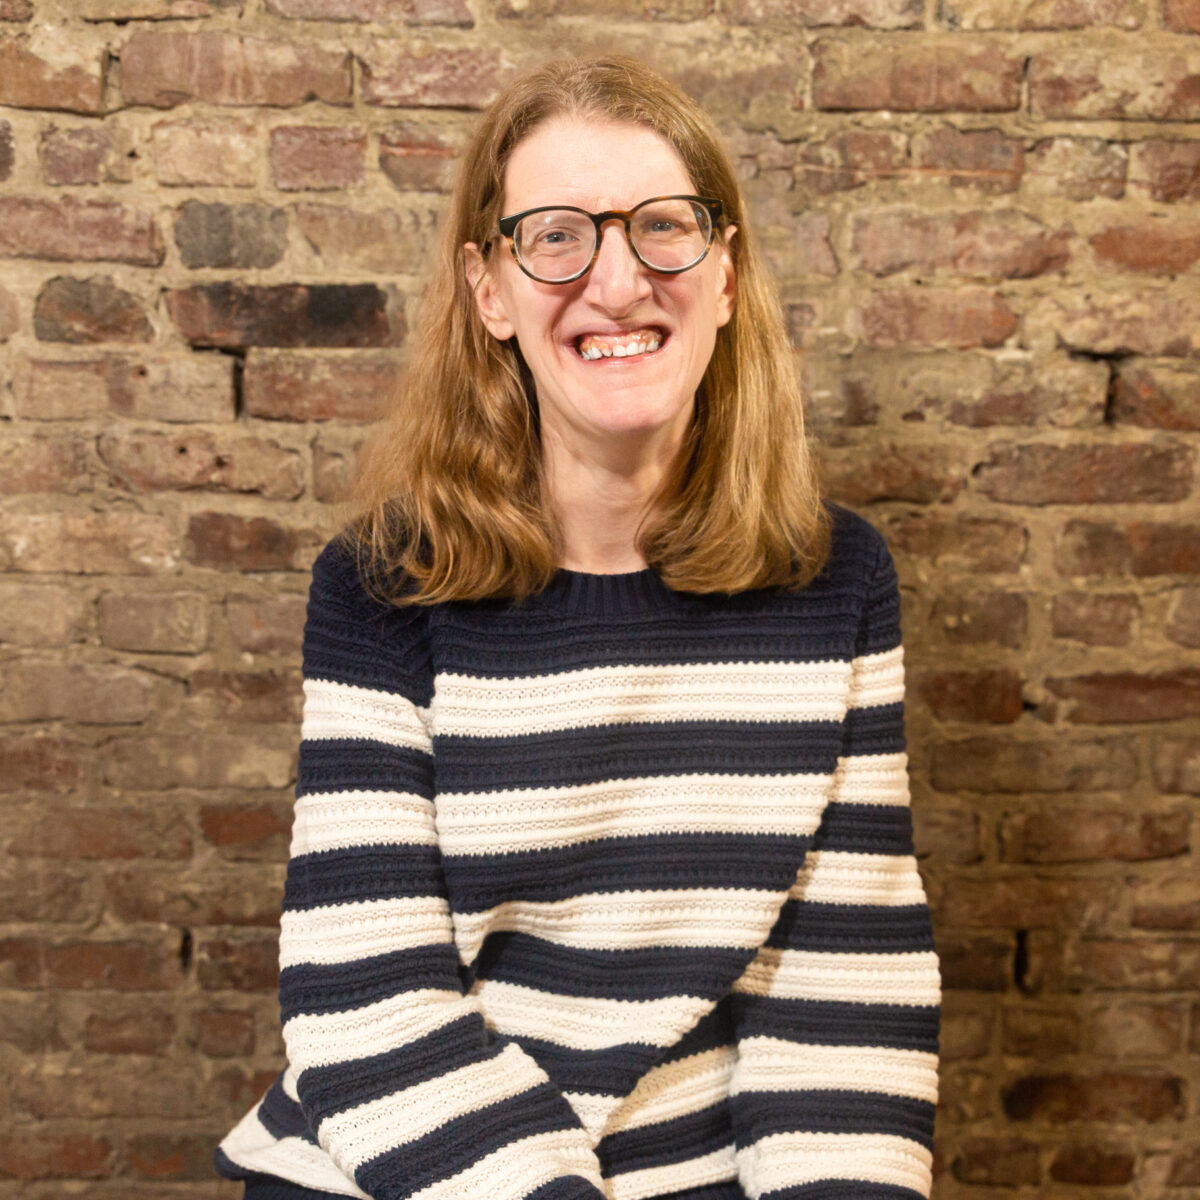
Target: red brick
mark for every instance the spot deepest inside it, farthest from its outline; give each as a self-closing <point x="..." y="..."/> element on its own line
<point x="240" y="895"/>
<point x="1096" y="474"/>
<point x="1166" y="902"/>
<point x="82" y="311"/>
<point x="1121" y="697"/>
<point x="895" y="471"/>
<point x="317" y="157"/>
<point x="1136" y="1029"/>
<point x="30" y="1025"/>
<point x="104" y="833"/>
<point x="927" y="74"/>
<point x="198" y="387"/>
<point x="246" y="696"/>
<point x="1005" y="765"/>
<point x="411" y="12"/>
<point x="390" y="240"/>
<point x="26" y="1154"/>
<point x="1078" y="168"/>
<point x="248" y="832"/>
<point x="948" y="317"/>
<point x="231" y="542"/>
<point x="43" y="893"/>
<point x="147" y="462"/>
<point x="1023" y="901"/>
<point x="1039" y="1033"/>
<point x="1168" y="170"/>
<point x="69" y="229"/>
<point x="225" y="1033"/>
<point x="200" y="761"/>
<point x="38" y="615"/>
<point x="120" y="966"/>
<point x="7" y="149"/>
<point x="89" y="694"/>
<point x="115" y="543"/>
<point x="1137" y="322"/>
<point x="946" y="835"/>
<point x="1100" y="1166"/>
<point x="1138" y="548"/>
<point x="198" y="153"/>
<point x="1115" y="964"/>
<point x="145" y="1030"/>
<point x="1093" y="619"/>
<point x="83" y="155"/>
<point x="1054" y="835"/>
<point x="1156" y="395"/>
<point x="1113" y="1096"/>
<point x="45" y="464"/>
<point x="973" y="961"/>
<point x="233" y="315"/>
<point x="154" y="622"/>
<point x="245" y="964"/>
<point x="403" y="74"/>
<point x="992" y="696"/>
<point x="1183" y="628"/>
<point x="985" y="159"/>
<point x="1182" y="16"/>
<point x="61" y="391"/>
<point x="982" y="618"/>
<point x="417" y="158"/>
<point x="1040" y="14"/>
<point x="1005" y="244"/>
<point x="9" y="314"/>
<point x="1152" y="245"/>
<point x="970" y="543"/>
<point x="1177" y="766"/>
<point x="1000" y="1162"/>
<point x="163" y="69"/>
<point x="170" y="1156"/>
<point x="29" y="80"/>
<point x="317" y="387"/>
<point x="1147" y="84"/>
<point x="131" y="1088"/>
<point x="16" y="10"/>
<point x="850" y="159"/>
<point x="965" y="1033"/>
<point x="874" y="14"/>
<point x="152" y="10"/>
<point x="41" y="763"/>
<point x="266" y="624"/>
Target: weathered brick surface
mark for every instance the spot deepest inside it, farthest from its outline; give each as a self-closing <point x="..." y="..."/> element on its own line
<point x="214" y="223"/>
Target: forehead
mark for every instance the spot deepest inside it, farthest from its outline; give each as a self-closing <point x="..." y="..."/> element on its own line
<point x="593" y="163"/>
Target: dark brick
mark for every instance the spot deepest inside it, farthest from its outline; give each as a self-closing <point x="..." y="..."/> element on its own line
<point x="1121" y="697"/>
<point x="230" y="235"/>
<point x="1138" y="548"/>
<point x="81" y="311"/>
<point x="1082" y="474"/>
<point x="1112" y="1096"/>
<point x="1000" y="1162"/>
<point x="1005" y="765"/>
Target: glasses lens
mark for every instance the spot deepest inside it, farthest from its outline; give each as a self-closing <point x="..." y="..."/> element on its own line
<point x="671" y="234"/>
<point x="555" y="244"/>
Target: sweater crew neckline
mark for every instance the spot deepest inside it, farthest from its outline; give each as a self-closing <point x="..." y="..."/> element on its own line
<point x="623" y="592"/>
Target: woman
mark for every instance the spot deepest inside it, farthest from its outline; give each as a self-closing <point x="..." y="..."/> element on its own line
<point x="602" y="879"/>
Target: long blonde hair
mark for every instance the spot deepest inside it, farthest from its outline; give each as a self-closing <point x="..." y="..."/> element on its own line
<point x="450" y="502"/>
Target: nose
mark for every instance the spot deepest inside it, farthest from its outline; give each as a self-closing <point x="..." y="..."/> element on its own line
<point x="617" y="280"/>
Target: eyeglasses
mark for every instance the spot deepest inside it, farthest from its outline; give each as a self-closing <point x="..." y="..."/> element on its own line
<point x="668" y="234"/>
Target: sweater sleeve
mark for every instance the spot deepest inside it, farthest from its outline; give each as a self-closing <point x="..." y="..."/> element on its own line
<point x="836" y="1019"/>
<point x="399" y="1079"/>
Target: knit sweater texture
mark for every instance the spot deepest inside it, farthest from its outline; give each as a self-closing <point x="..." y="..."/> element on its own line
<point x="606" y="893"/>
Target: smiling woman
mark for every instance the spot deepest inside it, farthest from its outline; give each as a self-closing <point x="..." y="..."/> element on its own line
<point x="602" y="881"/>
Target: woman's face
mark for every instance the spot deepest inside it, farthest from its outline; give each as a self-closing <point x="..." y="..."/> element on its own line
<point x="601" y="165"/>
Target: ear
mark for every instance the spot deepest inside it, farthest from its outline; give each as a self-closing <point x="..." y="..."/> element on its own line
<point x="487" y="296"/>
<point x="726" y="278"/>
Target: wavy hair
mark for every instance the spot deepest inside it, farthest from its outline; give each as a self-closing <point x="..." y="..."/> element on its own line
<point x="450" y="501"/>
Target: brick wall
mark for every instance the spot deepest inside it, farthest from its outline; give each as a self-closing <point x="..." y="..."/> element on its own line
<point x="985" y="218"/>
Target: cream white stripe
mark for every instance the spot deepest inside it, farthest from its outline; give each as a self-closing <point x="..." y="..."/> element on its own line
<point x="872" y="779"/>
<point x="789" y="1159"/>
<point x="841" y="877"/>
<point x="499" y="707"/>
<point x="344" y="710"/>
<point x="338" y="820"/>
<point x="338" y="933"/>
<point x="592" y="1109"/>
<point x="367" y="1130"/>
<point x="288" y="1083"/>
<point x="320" y="1039"/>
<point x="586" y="1022"/>
<point x="543" y="818"/>
<point x="520" y="1167"/>
<point x="878" y="679"/>
<point x="863" y="978"/>
<point x="715" y="1167"/>
<point x="677" y="1089"/>
<point x="629" y="920"/>
<point x="767" y="1064"/>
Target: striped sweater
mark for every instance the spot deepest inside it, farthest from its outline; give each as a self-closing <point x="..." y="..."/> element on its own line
<point x="606" y="893"/>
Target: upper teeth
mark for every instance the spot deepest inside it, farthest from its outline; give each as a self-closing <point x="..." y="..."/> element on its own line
<point x="645" y="343"/>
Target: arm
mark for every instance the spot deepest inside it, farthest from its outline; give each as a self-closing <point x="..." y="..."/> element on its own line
<point x="402" y="1084"/>
<point x="837" y="1017"/>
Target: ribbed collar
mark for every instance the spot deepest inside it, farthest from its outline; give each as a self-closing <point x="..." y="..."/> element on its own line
<point x="626" y="592"/>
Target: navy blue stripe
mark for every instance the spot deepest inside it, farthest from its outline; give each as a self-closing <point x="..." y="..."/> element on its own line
<point x="612" y="1071"/>
<point x="647" y="973"/>
<point x="758" y="1115"/>
<point x="572" y="757"/>
<point x="878" y="729"/>
<point x="713" y="1031"/>
<point x="349" y="765"/>
<point x="319" y="988"/>
<point x="852" y="928"/>
<point x="652" y="862"/>
<point x="844" y="1189"/>
<point x="837" y="1022"/>
<point x="454" y="1146"/>
<point x="357" y="873"/>
<point x="865" y="829"/>
<point x="330" y="1089"/>
<point x="281" y="1116"/>
<point x="666" y="1142"/>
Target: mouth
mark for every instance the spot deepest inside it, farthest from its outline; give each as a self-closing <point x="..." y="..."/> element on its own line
<point x="632" y="344"/>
